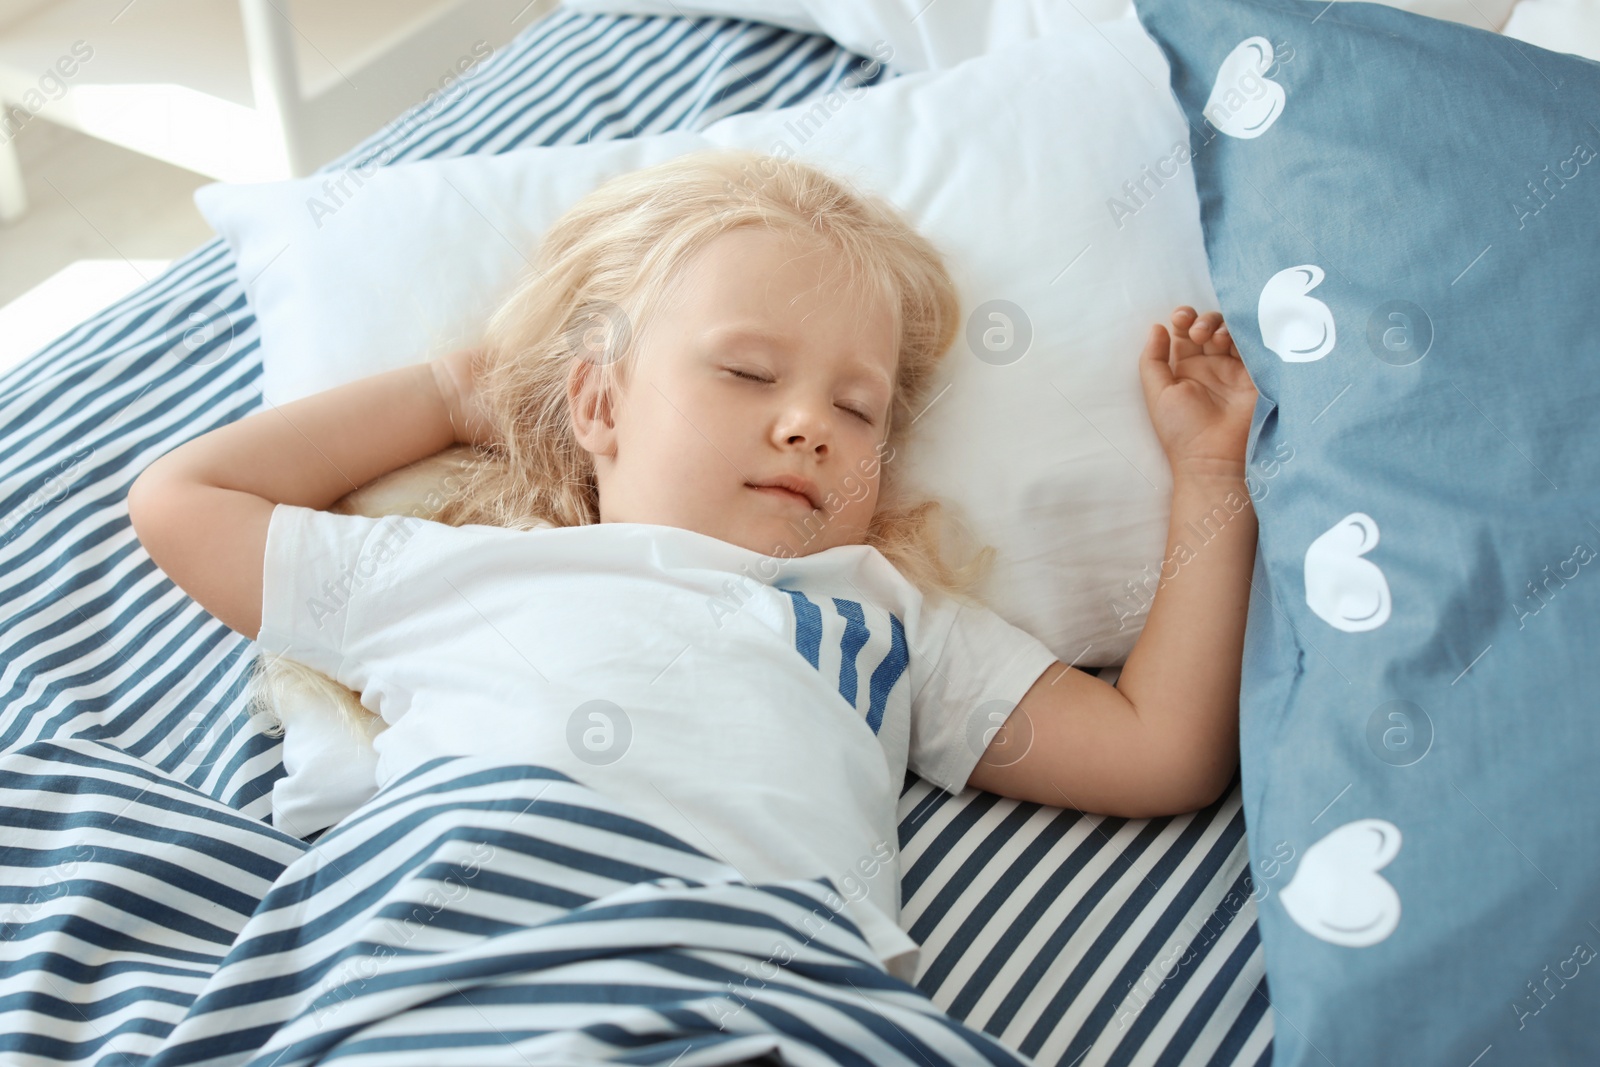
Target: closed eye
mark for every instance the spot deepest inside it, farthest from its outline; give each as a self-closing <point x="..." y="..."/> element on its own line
<point x="751" y="377"/>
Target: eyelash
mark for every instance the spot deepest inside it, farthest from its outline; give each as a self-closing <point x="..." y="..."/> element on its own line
<point x="753" y="378"/>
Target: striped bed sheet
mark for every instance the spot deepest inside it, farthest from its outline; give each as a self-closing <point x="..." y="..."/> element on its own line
<point x="1070" y="938"/>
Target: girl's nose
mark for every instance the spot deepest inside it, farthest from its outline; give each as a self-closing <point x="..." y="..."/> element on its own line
<point x="807" y="419"/>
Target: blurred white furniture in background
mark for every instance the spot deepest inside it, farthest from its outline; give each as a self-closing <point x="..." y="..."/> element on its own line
<point x="239" y="90"/>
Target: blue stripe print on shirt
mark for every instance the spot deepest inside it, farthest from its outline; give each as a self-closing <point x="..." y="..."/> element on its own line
<point x="847" y="630"/>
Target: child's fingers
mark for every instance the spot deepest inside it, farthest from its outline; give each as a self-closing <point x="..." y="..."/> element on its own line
<point x="1205" y="326"/>
<point x="1221" y="342"/>
<point x="1155" y="366"/>
<point x="1183" y="323"/>
<point x="1209" y="336"/>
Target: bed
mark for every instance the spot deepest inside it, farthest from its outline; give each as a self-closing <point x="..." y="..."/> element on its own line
<point x="138" y="858"/>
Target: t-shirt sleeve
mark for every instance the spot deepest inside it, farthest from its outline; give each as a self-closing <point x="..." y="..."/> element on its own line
<point x="322" y="570"/>
<point x="977" y="668"/>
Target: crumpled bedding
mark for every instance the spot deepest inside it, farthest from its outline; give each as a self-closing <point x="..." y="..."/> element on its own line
<point x="472" y="912"/>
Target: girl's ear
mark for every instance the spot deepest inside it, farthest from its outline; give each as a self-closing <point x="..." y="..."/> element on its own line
<point x="590" y="409"/>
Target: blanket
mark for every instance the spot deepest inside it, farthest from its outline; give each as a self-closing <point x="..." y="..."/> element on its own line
<point x="472" y="912"/>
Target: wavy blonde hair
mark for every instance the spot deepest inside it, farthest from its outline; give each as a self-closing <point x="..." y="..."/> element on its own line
<point x="609" y="262"/>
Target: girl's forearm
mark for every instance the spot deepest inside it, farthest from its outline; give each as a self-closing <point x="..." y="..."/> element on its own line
<point x="313" y="451"/>
<point x="1183" y="674"/>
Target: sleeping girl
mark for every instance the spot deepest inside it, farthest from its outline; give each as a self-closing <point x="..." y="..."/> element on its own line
<point x="683" y="566"/>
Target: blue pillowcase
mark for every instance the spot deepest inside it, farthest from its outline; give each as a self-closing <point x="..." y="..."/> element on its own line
<point x="1402" y="217"/>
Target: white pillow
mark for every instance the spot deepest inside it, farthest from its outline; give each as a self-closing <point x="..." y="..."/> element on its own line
<point x="329" y="762"/>
<point x="936" y="34"/>
<point x="1008" y="163"/>
<point x="1559" y="25"/>
<point x="351" y="274"/>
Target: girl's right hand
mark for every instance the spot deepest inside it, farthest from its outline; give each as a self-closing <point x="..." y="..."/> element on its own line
<point x="1199" y="394"/>
<point x="457" y="376"/>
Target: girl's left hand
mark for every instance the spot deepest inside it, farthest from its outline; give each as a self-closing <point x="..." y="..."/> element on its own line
<point x="1199" y="394"/>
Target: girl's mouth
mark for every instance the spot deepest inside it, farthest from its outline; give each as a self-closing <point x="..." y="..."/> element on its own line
<point x="775" y="491"/>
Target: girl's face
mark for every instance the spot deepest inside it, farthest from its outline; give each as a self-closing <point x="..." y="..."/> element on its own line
<point x="691" y="437"/>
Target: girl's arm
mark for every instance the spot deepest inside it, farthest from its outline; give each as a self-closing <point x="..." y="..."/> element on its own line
<point x="1183" y="674"/>
<point x="202" y="509"/>
<point x="1165" y="740"/>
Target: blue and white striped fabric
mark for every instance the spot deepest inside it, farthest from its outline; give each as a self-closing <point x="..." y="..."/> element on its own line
<point x="135" y="789"/>
<point x="470" y="913"/>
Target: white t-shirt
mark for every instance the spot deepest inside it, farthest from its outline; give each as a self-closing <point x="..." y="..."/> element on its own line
<point x="761" y="709"/>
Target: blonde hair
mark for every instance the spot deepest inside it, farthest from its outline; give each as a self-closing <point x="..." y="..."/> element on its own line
<point x="609" y="262"/>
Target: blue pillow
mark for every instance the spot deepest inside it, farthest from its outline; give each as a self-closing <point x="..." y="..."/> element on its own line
<point x="1402" y="217"/>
